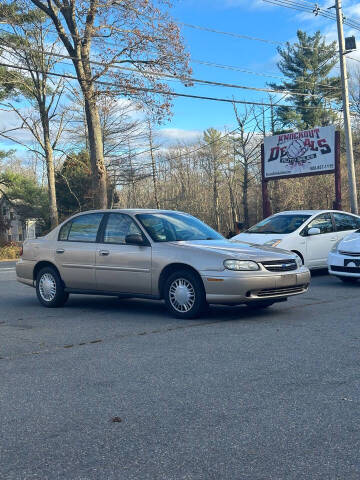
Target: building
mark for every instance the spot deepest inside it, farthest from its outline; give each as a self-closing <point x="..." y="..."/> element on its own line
<point x="13" y="227"/>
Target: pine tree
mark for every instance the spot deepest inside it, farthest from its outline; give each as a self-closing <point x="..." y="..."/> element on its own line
<point x="307" y="64"/>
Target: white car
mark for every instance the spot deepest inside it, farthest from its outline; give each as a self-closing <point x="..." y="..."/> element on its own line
<point x="344" y="258"/>
<point x="309" y="233"/>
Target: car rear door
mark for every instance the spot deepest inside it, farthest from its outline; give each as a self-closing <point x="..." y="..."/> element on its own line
<point x="318" y="246"/>
<point x="120" y="267"/>
<point x="75" y="251"/>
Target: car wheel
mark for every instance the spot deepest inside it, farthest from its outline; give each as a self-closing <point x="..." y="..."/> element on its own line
<point x="259" y="305"/>
<point x="348" y="279"/>
<point x="184" y="294"/>
<point x="50" y="289"/>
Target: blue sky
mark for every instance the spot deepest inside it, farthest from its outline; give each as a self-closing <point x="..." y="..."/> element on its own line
<point x="247" y="17"/>
<point x="253" y="18"/>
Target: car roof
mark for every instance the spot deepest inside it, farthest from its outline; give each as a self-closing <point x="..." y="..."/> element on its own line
<point x="132" y="211"/>
<point x="308" y="212"/>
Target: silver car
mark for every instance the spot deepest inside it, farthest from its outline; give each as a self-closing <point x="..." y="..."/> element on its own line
<point x="156" y="254"/>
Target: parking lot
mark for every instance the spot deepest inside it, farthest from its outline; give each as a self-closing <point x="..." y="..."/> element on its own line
<point x="233" y="395"/>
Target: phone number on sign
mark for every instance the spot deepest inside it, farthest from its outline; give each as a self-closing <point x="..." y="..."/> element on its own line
<point x="323" y="167"/>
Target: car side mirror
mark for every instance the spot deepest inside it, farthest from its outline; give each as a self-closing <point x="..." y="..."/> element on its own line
<point x="134" y="239"/>
<point x="314" y="231"/>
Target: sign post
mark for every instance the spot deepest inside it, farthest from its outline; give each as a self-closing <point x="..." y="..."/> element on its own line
<point x="299" y="154"/>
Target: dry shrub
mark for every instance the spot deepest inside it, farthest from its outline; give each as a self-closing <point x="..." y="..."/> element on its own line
<point x="10" y="251"/>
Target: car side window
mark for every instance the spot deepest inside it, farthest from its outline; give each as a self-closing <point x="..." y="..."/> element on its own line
<point x="64" y="231"/>
<point x="324" y="222"/>
<point x="346" y="222"/>
<point x="83" y="228"/>
<point x="118" y="226"/>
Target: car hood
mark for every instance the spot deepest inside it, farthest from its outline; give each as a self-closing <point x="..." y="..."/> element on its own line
<point x="240" y="250"/>
<point x="351" y="243"/>
<point x="259" y="238"/>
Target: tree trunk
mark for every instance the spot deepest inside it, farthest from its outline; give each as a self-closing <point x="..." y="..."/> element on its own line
<point x="49" y="158"/>
<point x="96" y="151"/>
<point x="153" y="168"/>
<point x="245" y="196"/>
<point x="54" y="217"/>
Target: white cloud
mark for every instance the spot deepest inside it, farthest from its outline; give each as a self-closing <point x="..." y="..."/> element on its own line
<point x="177" y="135"/>
<point x="241" y="3"/>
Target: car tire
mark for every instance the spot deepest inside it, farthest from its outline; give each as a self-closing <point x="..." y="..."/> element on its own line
<point x="348" y="279"/>
<point x="50" y="288"/>
<point x="184" y="294"/>
<point x="259" y="305"/>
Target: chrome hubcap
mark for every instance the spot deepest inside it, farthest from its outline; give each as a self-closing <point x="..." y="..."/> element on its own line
<point x="47" y="287"/>
<point x="182" y="295"/>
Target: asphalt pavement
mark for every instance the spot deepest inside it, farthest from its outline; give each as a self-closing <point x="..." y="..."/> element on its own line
<point x="117" y="389"/>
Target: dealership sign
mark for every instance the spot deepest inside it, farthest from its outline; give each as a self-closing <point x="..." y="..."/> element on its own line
<point x="300" y="153"/>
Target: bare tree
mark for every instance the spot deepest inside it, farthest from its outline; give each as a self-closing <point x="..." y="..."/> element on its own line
<point x="247" y="150"/>
<point x="102" y="34"/>
<point x="28" y="45"/>
<point x="153" y="164"/>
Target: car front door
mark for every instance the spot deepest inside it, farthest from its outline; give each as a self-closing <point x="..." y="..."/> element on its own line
<point x="318" y="246"/>
<point x="121" y="267"/>
<point x="75" y="251"/>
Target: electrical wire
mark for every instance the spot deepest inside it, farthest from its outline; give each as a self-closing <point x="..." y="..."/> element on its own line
<point x="184" y="78"/>
<point x="267" y="75"/>
<point x="295" y="5"/>
<point x="156" y="91"/>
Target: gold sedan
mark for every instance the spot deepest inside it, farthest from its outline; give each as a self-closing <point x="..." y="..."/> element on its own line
<point x="157" y="254"/>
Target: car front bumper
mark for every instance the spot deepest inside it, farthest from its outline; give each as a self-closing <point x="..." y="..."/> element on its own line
<point x="247" y="287"/>
<point x="336" y="265"/>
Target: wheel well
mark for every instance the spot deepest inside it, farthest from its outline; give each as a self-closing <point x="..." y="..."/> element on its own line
<point x="298" y="253"/>
<point x="173" y="267"/>
<point x="41" y="265"/>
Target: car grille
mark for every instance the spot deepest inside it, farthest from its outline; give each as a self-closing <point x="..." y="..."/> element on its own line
<point x="335" y="268"/>
<point x="272" y="292"/>
<point x="280" y="265"/>
<point x="349" y="254"/>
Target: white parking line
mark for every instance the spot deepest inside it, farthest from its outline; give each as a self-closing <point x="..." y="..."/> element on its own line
<point x="7" y="270"/>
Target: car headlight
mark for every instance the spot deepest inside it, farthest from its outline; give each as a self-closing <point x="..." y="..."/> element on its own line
<point x="273" y="243"/>
<point x="298" y="260"/>
<point x="334" y="248"/>
<point x="241" y="265"/>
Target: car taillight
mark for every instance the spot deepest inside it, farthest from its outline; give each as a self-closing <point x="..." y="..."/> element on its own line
<point x="21" y="251"/>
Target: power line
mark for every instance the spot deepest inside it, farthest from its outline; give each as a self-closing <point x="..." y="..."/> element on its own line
<point x="230" y="34"/>
<point x="156" y="91"/>
<point x="268" y="75"/>
<point x="295" y="5"/>
<point x="232" y="101"/>
<point x="184" y="78"/>
<point x="189" y="79"/>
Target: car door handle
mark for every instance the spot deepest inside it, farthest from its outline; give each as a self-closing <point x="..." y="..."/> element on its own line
<point x="333" y="239"/>
<point x="104" y="253"/>
<point x="60" y="250"/>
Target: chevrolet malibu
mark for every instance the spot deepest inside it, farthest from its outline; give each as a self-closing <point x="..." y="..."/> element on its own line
<point x="156" y="254"/>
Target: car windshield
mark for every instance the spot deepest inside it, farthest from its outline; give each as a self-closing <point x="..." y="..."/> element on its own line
<point x="176" y="227"/>
<point x="279" y="224"/>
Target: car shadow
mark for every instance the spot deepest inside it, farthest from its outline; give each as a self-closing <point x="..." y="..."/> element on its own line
<point x="321" y="272"/>
<point x="135" y="307"/>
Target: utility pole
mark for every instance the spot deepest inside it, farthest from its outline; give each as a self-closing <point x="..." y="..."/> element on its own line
<point x="346" y="110"/>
